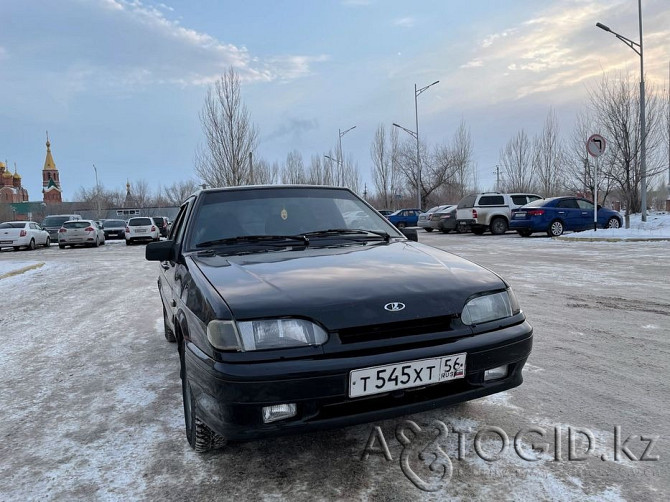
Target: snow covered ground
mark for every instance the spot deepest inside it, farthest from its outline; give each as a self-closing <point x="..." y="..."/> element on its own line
<point x="657" y="226"/>
<point x="92" y="409"/>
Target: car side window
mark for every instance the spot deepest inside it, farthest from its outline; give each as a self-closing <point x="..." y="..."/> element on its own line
<point x="491" y="200"/>
<point x="585" y="204"/>
<point x="177" y="232"/>
<point x="567" y="204"/>
<point x="519" y="200"/>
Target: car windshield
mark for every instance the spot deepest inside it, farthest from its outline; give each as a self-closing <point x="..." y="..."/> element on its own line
<point x="255" y="217"/>
<point x="139" y="222"/>
<point x="113" y="223"/>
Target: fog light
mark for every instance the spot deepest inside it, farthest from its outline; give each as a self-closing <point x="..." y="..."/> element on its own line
<point x="495" y="373"/>
<point x="279" y="412"/>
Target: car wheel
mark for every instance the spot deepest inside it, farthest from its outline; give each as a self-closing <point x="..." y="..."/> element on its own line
<point x="169" y="334"/>
<point x="524" y="233"/>
<point x="428" y="229"/>
<point x="555" y="229"/>
<point x="127" y="242"/>
<point x="446" y="230"/>
<point x="31" y="246"/>
<point x="61" y="246"/>
<point x="498" y="226"/>
<point x="16" y="248"/>
<point x="401" y="225"/>
<point x="613" y="223"/>
<point x="48" y="242"/>
<point x="199" y="435"/>
<point x="478" y="231"/>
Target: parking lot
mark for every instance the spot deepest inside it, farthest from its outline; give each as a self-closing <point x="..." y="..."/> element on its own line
<point x="92" y="406"/>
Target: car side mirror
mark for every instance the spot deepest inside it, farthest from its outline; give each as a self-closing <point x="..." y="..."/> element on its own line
<point x="159" y="251"/>
<point x="411" y="234"/>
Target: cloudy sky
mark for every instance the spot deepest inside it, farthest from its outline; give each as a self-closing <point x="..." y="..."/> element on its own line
<point x="119" y="83"/>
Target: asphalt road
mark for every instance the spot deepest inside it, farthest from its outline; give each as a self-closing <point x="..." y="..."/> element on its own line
<point x="91" y="397"/>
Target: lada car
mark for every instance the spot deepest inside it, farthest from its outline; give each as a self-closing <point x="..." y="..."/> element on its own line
<point x="289" y="317"/>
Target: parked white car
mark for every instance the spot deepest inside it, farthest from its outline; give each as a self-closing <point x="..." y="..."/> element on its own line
<point x="18" y="234"/>
<point x="80" y="233"/>
<point x="141" y="228"/>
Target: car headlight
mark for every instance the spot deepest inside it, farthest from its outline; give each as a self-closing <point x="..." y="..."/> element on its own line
<point x="264" y="334"/>
<point x="490" y="307"/>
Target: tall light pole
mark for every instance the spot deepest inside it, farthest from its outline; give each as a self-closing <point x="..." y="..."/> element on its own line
<point x="340" y="155"/>
<point x="639" y="50"/>
<point x="415" y="135"/>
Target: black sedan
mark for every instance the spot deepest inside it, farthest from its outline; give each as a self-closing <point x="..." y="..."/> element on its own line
<point x="114" y="229"/>
<point x="288" y="320"/>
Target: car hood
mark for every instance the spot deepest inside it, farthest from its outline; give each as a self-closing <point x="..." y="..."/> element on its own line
<point x="347" y="286"/>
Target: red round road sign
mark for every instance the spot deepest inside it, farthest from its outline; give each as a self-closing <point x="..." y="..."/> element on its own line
<point x="595" y="145"/>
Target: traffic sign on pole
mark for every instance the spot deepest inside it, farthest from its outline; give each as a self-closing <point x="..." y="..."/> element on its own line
<point x="595" y="145"/>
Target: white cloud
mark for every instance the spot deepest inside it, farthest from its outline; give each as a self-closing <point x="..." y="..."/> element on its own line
<point x="404" y="22"/>
<point x="475" y="63"/>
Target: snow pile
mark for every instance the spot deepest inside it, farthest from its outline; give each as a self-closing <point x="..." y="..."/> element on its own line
<point x="657" y="226"/>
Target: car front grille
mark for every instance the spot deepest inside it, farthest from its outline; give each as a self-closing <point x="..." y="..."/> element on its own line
<point x="400" y="329"/>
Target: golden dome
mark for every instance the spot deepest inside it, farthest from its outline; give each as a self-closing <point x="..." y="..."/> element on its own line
<point x="7" y="174"/>
<point x="2" y="164"/>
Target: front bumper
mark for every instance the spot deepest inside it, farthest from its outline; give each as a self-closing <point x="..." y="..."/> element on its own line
<point x="230" y="397"/>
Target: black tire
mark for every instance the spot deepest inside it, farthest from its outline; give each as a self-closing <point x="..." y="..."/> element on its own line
<point x="127" y="242"/>
<point x="199" y="435"/>
<point x="428" y="229"/>
<point x="401" y="225"/>
<point x="498" y="226"/>
<point x="555" y="228"/>
<point x="613" y="223"/>
<point x="97" y="242"/>
<point x="169" y="334"/>
<point x="478" y="231"/>
<point x="61" y="246"/>
<point x="524" y="233"/>
<point x="32" y="246"/>
<point x="16" y="248"/>
<point x="446" y="230"/>
<point x="48" y="242"/>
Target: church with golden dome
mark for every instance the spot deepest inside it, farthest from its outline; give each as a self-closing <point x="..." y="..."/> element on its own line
<point x="11" y="189"/>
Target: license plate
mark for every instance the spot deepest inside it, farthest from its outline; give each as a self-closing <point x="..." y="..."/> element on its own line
<point x="140" y="230"/>
<point x="6" y="242"/>
<point x="390" y="377"/>
<point x="520" y="214"/>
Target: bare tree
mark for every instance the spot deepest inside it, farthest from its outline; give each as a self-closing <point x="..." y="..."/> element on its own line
<point x="383" y="172"/>
<point x="229" y="135"/>
<point x="176" y="193"/>
<point x="616" y="106"/>
<point x="516" y="161"/>
<point x="548" y="157"/>
<point x="294" y="170"/>
<point x="462" y="150"/>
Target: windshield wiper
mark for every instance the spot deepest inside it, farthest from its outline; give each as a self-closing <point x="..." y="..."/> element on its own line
<point x="256" y="239"/>
<point x="348" y="231"/>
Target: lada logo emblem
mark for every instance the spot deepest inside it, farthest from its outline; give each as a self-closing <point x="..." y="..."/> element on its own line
<point x="394" y="306"/>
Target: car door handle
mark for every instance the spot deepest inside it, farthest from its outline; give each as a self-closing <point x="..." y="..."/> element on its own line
<point x="561" y="212"/>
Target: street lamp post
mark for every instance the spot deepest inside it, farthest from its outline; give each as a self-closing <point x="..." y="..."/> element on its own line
<point x="415" y="135"/>
<point x="340" y="155"/>
<point x="639" y="50"/>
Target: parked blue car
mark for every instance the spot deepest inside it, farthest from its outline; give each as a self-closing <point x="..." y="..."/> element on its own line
<point x="405" y="217"/>
<point x="558" y="214"/>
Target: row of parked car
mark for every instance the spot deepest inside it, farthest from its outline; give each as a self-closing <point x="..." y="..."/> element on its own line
<point x="72" y="230"/>
<point x="499" y="212"/>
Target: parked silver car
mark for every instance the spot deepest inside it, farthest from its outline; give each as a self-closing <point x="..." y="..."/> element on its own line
<point x="80" y="233"/>
<point x="425" y="218"/>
